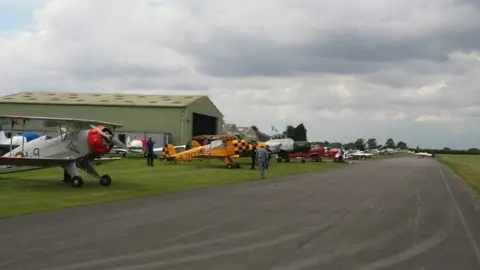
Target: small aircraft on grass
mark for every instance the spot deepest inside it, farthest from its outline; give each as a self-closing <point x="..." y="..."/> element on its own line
<point x="16" y="140"/>
<point x="224" y="148"/>
<point x="137" y="146"/>
<point x="80" y="143"/>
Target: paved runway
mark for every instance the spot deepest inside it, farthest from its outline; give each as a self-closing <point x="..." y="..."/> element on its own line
<point x="403" y="213"/>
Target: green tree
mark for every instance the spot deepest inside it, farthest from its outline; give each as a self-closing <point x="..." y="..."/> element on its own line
<point x="300" y="133"/>
<point x="402" y="145"/>
<point x="336" y="145"/>
<point x="372" y="143"/>
<point x="475" y="151"/>
<point x="290" y="132"/>
<point x="390" y="143"/>
<point x="360" y="144"/>
<point x="350" y="145"/>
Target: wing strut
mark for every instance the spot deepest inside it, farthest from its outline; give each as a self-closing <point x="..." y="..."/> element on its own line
<point x="23" y="134"/>
<point x="12" y="124"/>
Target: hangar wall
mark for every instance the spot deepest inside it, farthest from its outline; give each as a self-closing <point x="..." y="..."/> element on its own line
<point x="178" y="116"/>
<point x="202" y="106"/>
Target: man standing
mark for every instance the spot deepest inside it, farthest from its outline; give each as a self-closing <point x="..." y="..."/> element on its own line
<point x="262" y="157"/>
<point x="150" y="154"/>
<point x="254" y="157"/>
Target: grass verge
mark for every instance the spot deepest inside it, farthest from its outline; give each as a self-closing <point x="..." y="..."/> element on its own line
<point x="41" y="190"/>
<point x="465" y="166"/>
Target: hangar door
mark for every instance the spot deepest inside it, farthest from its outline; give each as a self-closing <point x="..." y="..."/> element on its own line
<point x="203" y="125"/>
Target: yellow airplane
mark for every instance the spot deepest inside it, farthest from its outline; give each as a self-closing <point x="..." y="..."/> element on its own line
<point x="224" y="148"/>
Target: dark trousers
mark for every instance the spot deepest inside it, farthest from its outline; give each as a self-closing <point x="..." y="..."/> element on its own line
<point x="253" y="162"/>
<point x="150" y="158"/>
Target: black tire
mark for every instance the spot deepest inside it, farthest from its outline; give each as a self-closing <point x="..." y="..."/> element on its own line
<point x="77" y="181"/>
<point x="105" y="181"/>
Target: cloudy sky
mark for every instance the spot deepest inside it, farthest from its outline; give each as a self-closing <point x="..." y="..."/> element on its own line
<point x="409" y="70"/>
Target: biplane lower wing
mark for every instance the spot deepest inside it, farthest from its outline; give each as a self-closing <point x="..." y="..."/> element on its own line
<point x="34" y="162"/>
<point x="104" y="160"/>
<point x="47" y="162"/>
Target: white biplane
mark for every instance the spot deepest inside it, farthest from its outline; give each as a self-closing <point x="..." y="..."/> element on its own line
<point x="79" y="143"/>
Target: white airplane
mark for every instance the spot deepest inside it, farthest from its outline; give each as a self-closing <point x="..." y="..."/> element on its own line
<point x="78" y="145"/>
<point x="423" y="154"/>
<point x="16" y="140"/>
<point x="359" y="155"/>
<point x="138" y="146"/>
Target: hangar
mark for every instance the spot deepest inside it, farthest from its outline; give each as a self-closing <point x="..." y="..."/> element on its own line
<point x="168" y="119"/>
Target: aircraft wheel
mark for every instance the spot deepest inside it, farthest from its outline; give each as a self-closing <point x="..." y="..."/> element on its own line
<point x="287" y="160"/>
<point x="279" y="160"/>
<point x="77" y="181"/>
<point x="303" y="161"/>
<point x="229" y="166"/>
<point x="105" y="180"/>
<point x="237" y="165"/>
<point x="364" y="157"/>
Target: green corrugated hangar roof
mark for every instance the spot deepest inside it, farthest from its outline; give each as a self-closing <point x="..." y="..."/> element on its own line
<point x="100" y="99"/>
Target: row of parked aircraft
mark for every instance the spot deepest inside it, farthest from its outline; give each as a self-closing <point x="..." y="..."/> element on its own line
<point x="80" y="143"/>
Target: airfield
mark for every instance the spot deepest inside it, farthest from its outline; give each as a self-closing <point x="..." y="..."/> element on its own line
<point x="389" y="213"/>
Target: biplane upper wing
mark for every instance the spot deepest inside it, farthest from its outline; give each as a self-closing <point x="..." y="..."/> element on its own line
<point x="55" y="122"/>
<point x="34" y="162"/>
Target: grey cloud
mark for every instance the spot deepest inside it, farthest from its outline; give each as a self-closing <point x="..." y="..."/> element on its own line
<point x="96" y="70"/>
<point x="172" y="82"/>
<point x="236" y="55"/>
<point x="351" y="51"/>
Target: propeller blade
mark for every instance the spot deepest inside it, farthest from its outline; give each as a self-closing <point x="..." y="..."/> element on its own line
<point x="111" y="139"/>
<point x="118" y="144"/>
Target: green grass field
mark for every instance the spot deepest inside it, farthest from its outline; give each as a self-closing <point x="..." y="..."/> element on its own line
<point x="41" y="190"/>
<point x="465" y="166"/>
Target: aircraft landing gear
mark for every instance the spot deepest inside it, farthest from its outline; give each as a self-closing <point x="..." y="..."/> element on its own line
<point x="233" y="165"/>
<point x="105" y="180"/>
<point x="77" y="181"/>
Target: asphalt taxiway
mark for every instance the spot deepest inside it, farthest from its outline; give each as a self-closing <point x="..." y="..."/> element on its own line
<point x="402" y="213"/>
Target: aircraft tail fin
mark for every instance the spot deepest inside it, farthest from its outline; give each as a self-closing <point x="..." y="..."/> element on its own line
<point x="168" y="151"/>
<point x="194" y="144"/>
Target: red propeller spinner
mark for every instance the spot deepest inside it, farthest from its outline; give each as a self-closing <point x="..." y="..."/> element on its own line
<point x="98" y="143"/>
